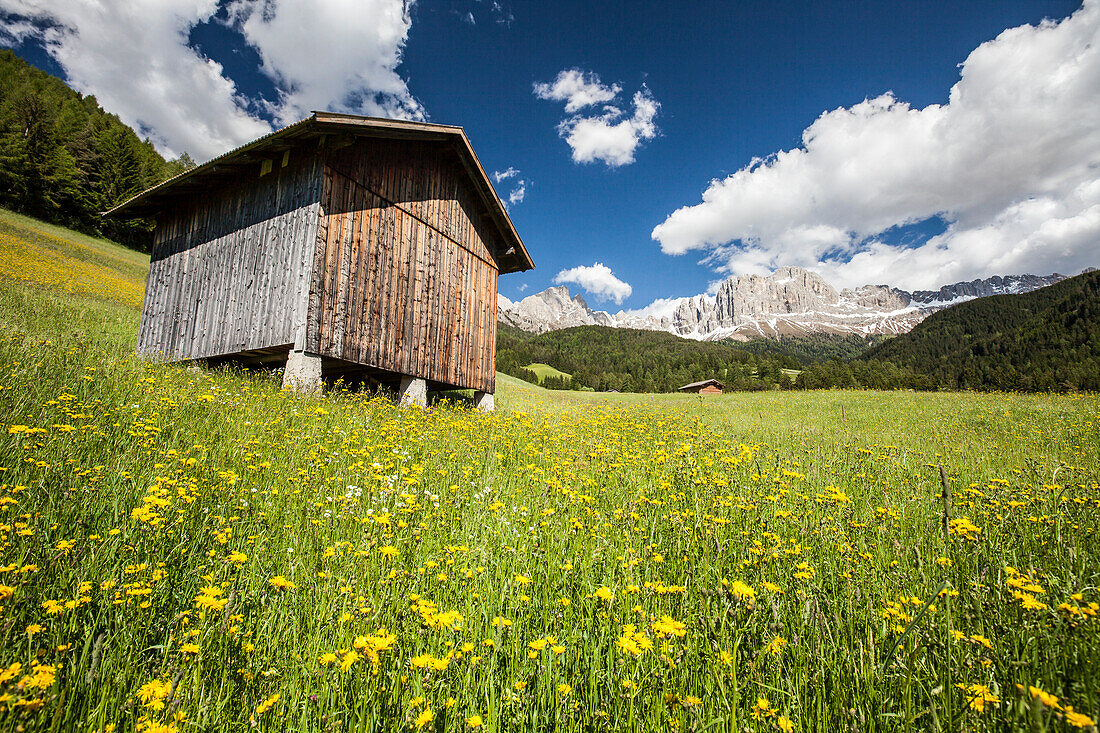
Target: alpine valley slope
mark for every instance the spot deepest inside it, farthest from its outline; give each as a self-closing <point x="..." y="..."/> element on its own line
<point x="791" y="301"/>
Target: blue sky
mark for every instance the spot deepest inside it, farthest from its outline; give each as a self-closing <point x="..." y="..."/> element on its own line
<point x="913" y="189"/>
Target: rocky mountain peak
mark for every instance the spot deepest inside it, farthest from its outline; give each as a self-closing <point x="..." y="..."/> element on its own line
<point x="787" y="290"/>
<point x="792" y="301"/>
<point x="550" y="310"/>
<point x="996" y="285"/>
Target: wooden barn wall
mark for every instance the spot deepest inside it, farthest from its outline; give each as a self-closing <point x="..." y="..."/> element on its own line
<point x="404" y="279"/>
<point x="230" y="269"/>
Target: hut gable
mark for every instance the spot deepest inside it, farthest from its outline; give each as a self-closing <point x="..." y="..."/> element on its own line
<point x="706" y="387"/>
<point x="404" y="243"/>
<point x="371" y="247"/>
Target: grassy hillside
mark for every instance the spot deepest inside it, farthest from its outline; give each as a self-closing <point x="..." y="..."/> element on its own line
<point x="1048" y="339"/>
<point x="198" y="550"/>
<point x="542" y="371"/>
<point x="54" y="257"/>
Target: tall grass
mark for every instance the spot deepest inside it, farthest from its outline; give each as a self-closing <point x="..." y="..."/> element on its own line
<point x="199" y="550"/>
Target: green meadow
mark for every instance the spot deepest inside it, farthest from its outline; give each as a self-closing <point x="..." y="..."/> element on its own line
<point x="189" y="549"/>
<point x="542" y="371"/>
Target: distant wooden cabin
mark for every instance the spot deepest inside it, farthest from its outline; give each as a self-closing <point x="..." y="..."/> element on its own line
<point x="340" y="246"/>
<point x="706" y="387"/>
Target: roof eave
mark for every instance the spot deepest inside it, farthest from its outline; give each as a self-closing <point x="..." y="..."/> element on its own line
<point x="208" y="166"/>
<point x="328" y="121"/>
<point x="494" y="204"/>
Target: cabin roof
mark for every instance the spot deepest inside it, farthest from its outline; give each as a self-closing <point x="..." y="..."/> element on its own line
<point x="704" y="383"/>
<point x="155" y="199"/>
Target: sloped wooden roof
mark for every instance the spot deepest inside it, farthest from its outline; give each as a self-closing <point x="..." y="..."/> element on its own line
<point x="702" y="384"/>
<point x="513" y="257"/>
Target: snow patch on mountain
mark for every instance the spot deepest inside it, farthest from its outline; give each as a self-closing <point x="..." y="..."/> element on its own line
<point x="791" y="301"/>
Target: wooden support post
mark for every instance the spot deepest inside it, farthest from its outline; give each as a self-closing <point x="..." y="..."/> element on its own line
<point x="484" y="401"/>
<point x="303" y="372"/>
<point x="414" y="391"/>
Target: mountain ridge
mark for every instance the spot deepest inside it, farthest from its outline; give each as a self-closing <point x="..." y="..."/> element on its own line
<point x="792" y="301"/>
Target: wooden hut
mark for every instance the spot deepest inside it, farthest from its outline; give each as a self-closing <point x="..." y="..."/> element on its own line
<point x="340" y="246"/>
<point x="706" y="388"/>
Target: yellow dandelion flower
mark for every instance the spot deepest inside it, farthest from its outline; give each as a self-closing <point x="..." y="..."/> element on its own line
<point x="282" y="583"/>
<point x="1078" y="720"/>
<point x="267" y="704"/>
<point x="762" y="709"/>
<point x="775" y="646"/>
<point x="1047" y="699"/>
<point x="349" y="659"/>
<point x="668" y="626"/>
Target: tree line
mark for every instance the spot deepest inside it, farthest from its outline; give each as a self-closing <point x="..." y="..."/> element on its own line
<point x="64" y="159"/>
<point x="812" y="347"/>
<point x="629" y="360"/>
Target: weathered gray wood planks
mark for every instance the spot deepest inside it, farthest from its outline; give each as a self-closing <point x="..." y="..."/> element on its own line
<point x="227" y="268"/>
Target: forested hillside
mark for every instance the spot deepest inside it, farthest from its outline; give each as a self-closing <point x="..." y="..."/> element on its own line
<point x="64" y="159"/>
<point x="631" y="360"/>
<point x="1043" y="340"/>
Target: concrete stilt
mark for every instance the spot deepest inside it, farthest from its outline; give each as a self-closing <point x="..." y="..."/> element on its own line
<point x="414" y="391"/>
<point x="484" y="401"/>
<point x="303" y="372"/>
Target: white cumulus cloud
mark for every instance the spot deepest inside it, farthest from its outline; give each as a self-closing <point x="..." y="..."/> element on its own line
<point x="1011" y="163"/>
<point x="597" y="280"/>
<point x="578" y="89"/>
<point x="519" y="186"/>
<point x="518" y="193"/>
<point x="332" y="54"/>
<point x="135" y="58"/>
<point x="610" y="135"/>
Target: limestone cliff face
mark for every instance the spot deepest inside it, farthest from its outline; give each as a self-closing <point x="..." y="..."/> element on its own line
<point x="791" y="301"/>
<point x="550" y="310"/>
<point x="877" y="297"/>
<point x="789" y="290"/>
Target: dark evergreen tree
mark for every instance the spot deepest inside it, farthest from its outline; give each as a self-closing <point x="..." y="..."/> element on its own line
<point x="63" y="159"/>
